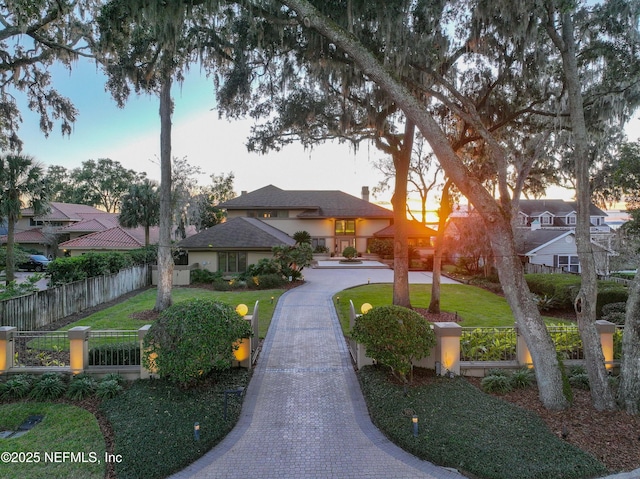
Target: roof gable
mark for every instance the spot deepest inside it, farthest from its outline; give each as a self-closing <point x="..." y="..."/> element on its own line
<point x="316" y="203"/>
<point x="238" y="233"/>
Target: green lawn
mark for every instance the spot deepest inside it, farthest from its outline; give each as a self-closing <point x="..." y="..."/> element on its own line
<point x="119" y="316"/>
<point x="476" y="306"/>
<point x="64" y="428"/>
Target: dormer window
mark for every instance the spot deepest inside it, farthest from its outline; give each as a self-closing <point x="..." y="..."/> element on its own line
<point x="545" y="220"/>
<point x="571" y="219"/>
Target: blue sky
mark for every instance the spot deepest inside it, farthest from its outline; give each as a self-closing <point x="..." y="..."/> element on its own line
<point x="132" y="135"/>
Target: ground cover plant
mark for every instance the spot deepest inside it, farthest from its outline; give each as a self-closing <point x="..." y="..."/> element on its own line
<point x="460" y="426"/>
<point x="153" y="423"/>
<point x="64" y="428"/>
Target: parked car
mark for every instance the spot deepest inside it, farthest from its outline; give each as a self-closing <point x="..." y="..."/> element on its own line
<point x="36" y="262"/>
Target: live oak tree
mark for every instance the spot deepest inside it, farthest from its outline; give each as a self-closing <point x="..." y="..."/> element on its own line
<point x="33" y="36"/>
<point x="22" y="187"/>
<point x="203" y="211"/>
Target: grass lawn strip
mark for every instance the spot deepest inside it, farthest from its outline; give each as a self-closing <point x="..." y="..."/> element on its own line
<point x="119" y="316"/>
<point x="477" y="307"/>
<point x="153" y="423"/>
<point x="65" y="428"/>
<point x="462" y="427"/>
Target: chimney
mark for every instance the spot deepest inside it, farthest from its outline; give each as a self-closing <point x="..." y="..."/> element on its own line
<point x="243" y="192"/>
<point x="365" y="193"/>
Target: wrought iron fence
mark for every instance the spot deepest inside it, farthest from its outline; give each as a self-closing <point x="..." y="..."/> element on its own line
<point x="114" y="348"/>
<point x="44" y="349"/>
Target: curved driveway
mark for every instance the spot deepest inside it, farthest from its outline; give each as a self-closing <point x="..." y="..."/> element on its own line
<point x="304" y="415"/>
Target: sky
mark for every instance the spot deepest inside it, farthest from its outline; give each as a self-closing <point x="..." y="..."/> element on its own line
<point x="131" y="135"/>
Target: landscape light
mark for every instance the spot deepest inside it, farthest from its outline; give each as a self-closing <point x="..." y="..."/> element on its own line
<point x="414" y="421"/>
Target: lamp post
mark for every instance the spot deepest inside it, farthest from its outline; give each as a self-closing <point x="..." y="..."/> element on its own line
<point x="196" y="431"/>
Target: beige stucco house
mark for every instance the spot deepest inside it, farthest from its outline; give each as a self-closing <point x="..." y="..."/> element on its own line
<point x="270" y="216"/>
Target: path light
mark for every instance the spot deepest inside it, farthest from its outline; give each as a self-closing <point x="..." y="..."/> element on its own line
<point x="272" y="298"/>
<point x="365" y="308"/>
<point x="414" y="421"/>
<point x="338" y="299"/>
<point x="242" y="309"/>
<point x="196" y="431"/>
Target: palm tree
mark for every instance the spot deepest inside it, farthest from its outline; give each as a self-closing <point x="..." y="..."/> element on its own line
<point x="141" y="207"/>
<point x="21" y="180"/>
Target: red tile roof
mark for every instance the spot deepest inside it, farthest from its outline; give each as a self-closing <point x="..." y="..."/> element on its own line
<point x="34" y="235"/>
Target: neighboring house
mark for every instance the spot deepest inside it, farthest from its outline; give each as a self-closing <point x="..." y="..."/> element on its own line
<point x="115" y="238"/>
<point x="233" y="245"/>
<point x="270" y="216"/>
<point x="42" y="233"/>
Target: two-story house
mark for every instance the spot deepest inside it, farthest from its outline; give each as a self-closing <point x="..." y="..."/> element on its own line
<point x="546" y="234"/>
<point x="269" y="216"/>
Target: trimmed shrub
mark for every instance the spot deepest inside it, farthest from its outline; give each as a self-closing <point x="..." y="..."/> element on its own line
<point x="204" y="276"/>
<point x="395" y="336"/>
<point x="49" y="386"/>
<point x="263" y="267"/>
<point x="608" y="293"/>
<point x="499" y="384"/>
<point x="614" y="312"/>
<point x="381" y="247"/>
<point x="270" y="281"/>
<point x="349" y="252"/>
<point x="193" y="338"/>
<point x="81" y="387"/>
<point x="115" y="355"/>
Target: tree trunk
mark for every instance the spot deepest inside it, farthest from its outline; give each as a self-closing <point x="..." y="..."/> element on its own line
<point x="585" y="303"/>
<point x="509" y="267"/>
<point x="165" y="259"/>
<point x="443" y="215"/>
<point x="10" y="271"/>
<point x="401" y="161"/>
<point x="629" y="392"/>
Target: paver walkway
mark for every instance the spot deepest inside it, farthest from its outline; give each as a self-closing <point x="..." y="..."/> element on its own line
<point x="304" y="415"/>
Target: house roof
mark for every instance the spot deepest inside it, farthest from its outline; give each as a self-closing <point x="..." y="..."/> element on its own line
<point x="529" y="242"/>
<point x="99" y="222"/>
<point x="115" y="238"/>
<point x="238" y="233"/>
<point x="65" y="212"/>
<point x="32" y="236"/>
<point x="415" y="229"/>
<point x="316" y="203"/>
<point x="554" y="207"/>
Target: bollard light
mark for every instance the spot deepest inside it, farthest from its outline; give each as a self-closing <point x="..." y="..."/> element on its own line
<point x="196" y="431"/>
<point x="365" y="308"/>
<point x="242" y="309"/>
<point x="272" y="298"/>
<point x="338" y="299"/>
<point x="414" y="421"/>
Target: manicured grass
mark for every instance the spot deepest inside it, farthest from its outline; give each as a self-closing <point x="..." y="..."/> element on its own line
<point x="153" y="422"/>
<point x="65" y="428"/>
<point x="476" y="306"/>
<point x="459" y="426"/>
<point x="119" y="316"/>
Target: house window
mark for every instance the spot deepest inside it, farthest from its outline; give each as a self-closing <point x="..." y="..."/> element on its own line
<point x="568" y="262"/>
<point x="318" y="242"/>
<point x="268" y="214"/>
<point x="545" y="220"/>
<point x="345" y="227"/>
<point x="571" y="220"/>
<point x="232" y="261"/>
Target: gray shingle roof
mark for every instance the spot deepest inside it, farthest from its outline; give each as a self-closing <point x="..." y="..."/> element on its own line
<point x="317" y="204"/>
<point x="238" y="233"/>
<point x="555" y="207"/>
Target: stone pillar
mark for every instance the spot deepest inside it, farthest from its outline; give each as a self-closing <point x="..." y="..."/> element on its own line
<point x="606" y="330"/>
<point x="79" y="348"/>
<point x="448" y="346"/>
<point x="6" y="348"/>
<point x="144" y="372"/>
<point x="522" y="351"/>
